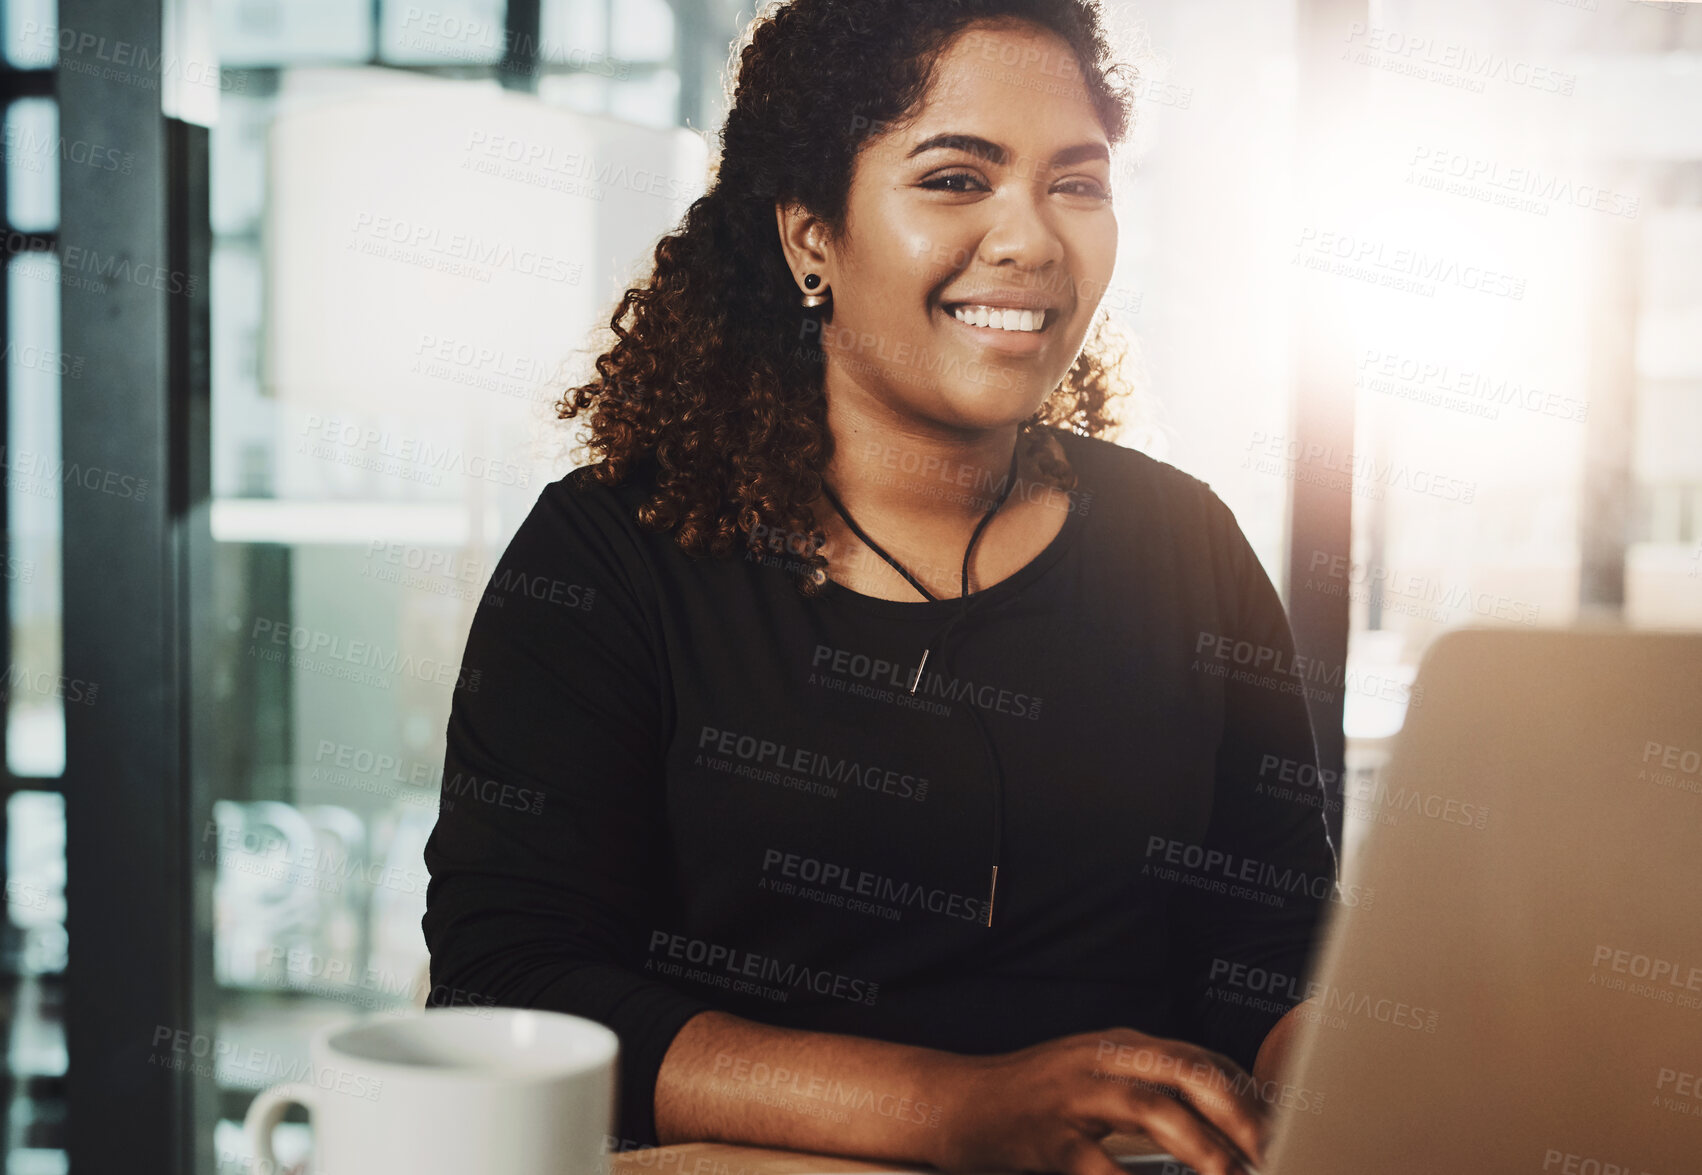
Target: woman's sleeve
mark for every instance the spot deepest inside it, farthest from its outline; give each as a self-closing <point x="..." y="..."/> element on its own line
<point x="550" y="841"/>
<point x="1250" y="924"/>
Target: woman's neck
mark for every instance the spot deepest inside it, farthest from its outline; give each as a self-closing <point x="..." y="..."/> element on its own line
<point x="919" y="493"/>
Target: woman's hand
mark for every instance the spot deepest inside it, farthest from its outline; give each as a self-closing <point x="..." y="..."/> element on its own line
<point x="1045" y="1108"/>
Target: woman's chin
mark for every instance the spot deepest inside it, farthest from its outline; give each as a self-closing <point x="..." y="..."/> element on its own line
<point x="984" y="407"/>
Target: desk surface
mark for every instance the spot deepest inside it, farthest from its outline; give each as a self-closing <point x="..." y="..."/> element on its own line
<point x="717" y="1158"/>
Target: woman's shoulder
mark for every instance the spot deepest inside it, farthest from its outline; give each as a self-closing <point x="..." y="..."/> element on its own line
<point x="1140" y="502"/>
<point x="1121" y="474"/>
<point x="584" y="493"/>
<point x="581" y="524"/>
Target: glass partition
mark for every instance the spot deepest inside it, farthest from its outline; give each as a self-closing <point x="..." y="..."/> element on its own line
<point x="408" y="262"/>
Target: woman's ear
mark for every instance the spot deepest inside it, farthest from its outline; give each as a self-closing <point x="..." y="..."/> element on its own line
<point x="803" y="238"/>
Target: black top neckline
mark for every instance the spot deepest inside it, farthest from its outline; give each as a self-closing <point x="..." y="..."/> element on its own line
<point x="1011" y="584"/>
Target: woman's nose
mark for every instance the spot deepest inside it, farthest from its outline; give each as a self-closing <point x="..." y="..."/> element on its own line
<point x="1020" y="232"/>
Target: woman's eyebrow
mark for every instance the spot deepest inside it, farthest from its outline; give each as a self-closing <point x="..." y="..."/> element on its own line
<point x="994" y="153"/>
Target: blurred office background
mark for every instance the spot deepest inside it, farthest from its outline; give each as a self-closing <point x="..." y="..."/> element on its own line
<point x="289" y="286"/>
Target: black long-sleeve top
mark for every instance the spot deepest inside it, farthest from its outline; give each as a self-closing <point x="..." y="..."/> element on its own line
<point x="680" y="785"/>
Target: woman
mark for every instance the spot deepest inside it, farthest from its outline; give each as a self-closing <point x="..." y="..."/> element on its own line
<point x="892" y="789"/>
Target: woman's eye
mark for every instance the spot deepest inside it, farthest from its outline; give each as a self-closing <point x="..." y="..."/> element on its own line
<point x="957" y="181"/>
<point x="964" y="181"/>
<point x="1086" y="188"/>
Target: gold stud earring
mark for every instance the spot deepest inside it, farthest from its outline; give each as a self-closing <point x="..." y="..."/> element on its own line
<point x="812" y="300"/>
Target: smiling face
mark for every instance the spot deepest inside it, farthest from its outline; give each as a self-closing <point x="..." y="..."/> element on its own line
<point x="979" y="239"/>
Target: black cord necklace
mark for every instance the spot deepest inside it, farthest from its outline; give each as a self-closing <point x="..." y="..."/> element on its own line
<point x="939" y="642"/>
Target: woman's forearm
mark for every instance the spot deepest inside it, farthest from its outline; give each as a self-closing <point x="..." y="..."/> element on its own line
<point x="729" y="1079"/>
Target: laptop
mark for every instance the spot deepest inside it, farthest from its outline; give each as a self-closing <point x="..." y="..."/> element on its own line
<point x="1524" y="993"/>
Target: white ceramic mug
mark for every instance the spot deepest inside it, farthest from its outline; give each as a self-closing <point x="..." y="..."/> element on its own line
<point x="444" y="1092"/>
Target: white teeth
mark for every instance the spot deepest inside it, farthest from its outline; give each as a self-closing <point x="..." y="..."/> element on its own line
<point x="997" y="319"/>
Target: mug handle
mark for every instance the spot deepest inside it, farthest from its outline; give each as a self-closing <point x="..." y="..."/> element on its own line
<point x="264" y="1114"/>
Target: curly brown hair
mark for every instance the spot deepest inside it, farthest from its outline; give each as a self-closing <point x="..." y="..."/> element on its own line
<point x="714" y="385"/>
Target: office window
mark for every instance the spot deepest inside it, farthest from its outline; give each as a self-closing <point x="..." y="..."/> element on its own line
<point x="643" y="31"/>
<point x="376" y="398"/>
<point x="32" y="958"/>
<point x="445" y="32"/>
<point x="261" y="32"/>
<point x="32" y="162"/>
<point x="1664" y="563"/>
<point x="1528" y="370"/>
<point x="32" y="28"/>
<point x="33" y="941"/>
<point x="38" y="691"/>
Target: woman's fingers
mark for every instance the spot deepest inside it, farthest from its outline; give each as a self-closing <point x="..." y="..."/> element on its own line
<point x="1080" y="1155"/>
<point x="1173" y="1124"/>
<point x="1190" y="1137"/>
<point x="1227" y="1097"/>
<point x="1045" y="1107"/>
<point x="1213" y="1087"/>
